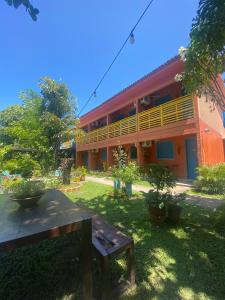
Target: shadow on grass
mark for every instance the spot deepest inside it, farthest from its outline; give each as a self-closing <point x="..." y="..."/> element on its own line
<point x="182" y="262"/>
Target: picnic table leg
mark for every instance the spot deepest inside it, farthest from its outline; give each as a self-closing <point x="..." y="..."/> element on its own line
<point x="86" y="241"/>
<point x="130" y="264"/>
<point x="105" y="276"/>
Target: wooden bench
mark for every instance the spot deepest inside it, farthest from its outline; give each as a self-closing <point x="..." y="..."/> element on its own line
<point x="108" y="242"/>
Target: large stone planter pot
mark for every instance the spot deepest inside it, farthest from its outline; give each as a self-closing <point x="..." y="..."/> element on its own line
<point x="27" y="202"/>
<point x="174" y="212"/>
<point x="128" y="189"/>
<point x="116" y="184"/>
<point x="157" y="215"/>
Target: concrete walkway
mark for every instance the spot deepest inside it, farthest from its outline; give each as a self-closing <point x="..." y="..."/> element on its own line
<point x="179" y="188"/>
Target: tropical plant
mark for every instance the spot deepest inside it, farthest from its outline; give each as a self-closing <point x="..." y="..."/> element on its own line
<point x="211" y="179"/>
<point x="120" y="157"/>
<point x="42" y="123"/>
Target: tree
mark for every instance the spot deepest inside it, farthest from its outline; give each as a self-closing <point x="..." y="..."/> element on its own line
<point x="33" y="12"/>
<point x="205" y="56"/>
<point x="57" y="98"/>
<point x="58" y="113"/>
<point x="41" y="124"/>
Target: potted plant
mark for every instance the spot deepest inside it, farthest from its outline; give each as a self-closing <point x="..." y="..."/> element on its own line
<point x="25" y="191"/>
<point x="129" y="174"/>
<point x="174" y="209"/>
<point x="116" y="174"/>
<point x="157" y="204"/>
<point x="161" y="179"/>
<point x="120" y="158"/>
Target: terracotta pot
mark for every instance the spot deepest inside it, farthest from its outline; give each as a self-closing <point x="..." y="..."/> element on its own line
<point x="174" y="212"/>
<point x="157" y="215"/>
<point x="27" y="202"/>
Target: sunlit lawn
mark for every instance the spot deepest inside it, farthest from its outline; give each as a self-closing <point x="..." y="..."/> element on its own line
<point x="183" y="262"/>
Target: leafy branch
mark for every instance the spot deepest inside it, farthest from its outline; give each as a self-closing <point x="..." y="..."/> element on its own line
<point x="33" y="12"/>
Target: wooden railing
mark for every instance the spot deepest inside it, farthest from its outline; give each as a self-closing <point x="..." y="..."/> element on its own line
<point x="170" y="112"/>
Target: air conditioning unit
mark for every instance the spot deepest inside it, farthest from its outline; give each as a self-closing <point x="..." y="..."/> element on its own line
<point x="145" y="100"/>
<point x="146" y="144"/>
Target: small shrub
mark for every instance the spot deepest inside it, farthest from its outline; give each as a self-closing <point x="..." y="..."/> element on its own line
<point x="81" y="171"/>
<point x="129" y="173"/>
<point x="158" y="200"/>
<point x="160" y="177"/>
<point x="52" y="182"/>
<point x="211" y="179"/>
<point x="120" y="157"/>
<point x="22" y="164"/>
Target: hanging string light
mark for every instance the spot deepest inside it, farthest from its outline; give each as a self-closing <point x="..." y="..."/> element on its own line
<point x="131" y="38"/>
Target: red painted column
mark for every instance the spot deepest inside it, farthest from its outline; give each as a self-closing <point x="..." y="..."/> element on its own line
<point x="109" y="157"/>
<point x="90" y="160"/>
<point x="78" y="158"/>
<point x="140" y="156"/>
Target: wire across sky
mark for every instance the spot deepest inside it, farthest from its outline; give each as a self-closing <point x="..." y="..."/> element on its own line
<point x="131" y="35"/>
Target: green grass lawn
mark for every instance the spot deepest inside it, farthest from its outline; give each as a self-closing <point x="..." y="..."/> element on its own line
<point x="172" y="262"/>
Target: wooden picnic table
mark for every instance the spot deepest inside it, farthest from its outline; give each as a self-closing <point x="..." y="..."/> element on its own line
<point x="54" y="216"/>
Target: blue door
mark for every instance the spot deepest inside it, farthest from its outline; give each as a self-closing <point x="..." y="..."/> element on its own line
<point x="191" y="156"/>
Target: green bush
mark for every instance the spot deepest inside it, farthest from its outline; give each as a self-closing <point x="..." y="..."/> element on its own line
<point x="130" y="172"/>
<point x="158" y="200"/>
<point x="211" y="179"/>
<point x="81" y="171"/>
<point x="159" y="177"/>
<point x="22" y="164"/>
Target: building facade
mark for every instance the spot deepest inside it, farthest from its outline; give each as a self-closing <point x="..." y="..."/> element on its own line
<point x="155" y="122"/>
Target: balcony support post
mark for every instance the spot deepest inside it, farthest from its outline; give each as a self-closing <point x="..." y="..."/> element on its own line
<point x="140" y="156"/>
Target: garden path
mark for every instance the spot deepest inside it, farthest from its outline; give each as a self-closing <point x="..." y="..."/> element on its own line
<point x="179" y="188"/>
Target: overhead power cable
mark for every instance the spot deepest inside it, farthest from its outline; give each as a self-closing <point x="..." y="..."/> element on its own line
<point x="129" y="37"/>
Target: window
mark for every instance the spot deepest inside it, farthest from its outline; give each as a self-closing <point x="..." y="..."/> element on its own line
<point x="133" y="152"/>
<point x="132" y="112"/>
<point x="165" y="150"/>
<point x="104" y="154"/>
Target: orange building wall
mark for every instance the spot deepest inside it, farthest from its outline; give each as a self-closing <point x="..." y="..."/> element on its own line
<point x="212" y="145"/>
<point x="178" y="165"/>
<point x="211" y="133"/>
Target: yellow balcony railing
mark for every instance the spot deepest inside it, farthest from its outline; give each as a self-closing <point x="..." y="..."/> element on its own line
<point x="170" y="112"/>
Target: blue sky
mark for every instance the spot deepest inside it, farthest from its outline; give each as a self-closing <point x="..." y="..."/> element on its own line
<point x="76" y="40"/>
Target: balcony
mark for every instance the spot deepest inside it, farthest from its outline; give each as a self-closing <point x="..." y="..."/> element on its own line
<point x="173" y="111"/>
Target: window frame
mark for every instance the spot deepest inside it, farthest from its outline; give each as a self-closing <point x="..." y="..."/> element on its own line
<point x="165" y="158"/>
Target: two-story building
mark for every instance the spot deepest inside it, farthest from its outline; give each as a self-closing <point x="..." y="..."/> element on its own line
<point x="155" y="122"/>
